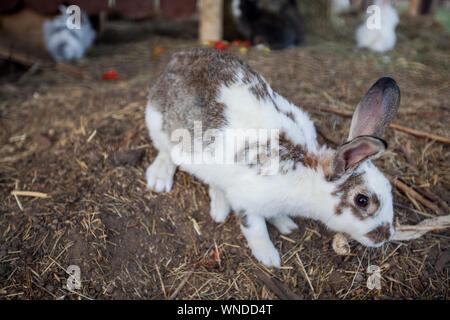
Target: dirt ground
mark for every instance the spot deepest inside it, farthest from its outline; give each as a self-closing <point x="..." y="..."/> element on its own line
<point x="84" y="143"/>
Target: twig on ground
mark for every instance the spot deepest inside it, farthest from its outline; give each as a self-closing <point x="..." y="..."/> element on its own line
<point x="181" y="285"/>
<point x="427" y="193"/>
<point x="36" y="63"/>
<point x="429" y="114"/>
<point x="26" y="60"/>
<point x="127" y="138"/>
<point x="418" y="133"/>
<point x="299" y="261"/>
<point x="278" y="288"/>
<point x="414" y="194"/>
<point x="44" y="289"/>
<point x="160" y="279"/>
<point x="72" y="70"/>
<point x="407" y="152"/>
<point x="413" y="232"/>
<point x="343" y="113"/>
<point x="30" y="194"/>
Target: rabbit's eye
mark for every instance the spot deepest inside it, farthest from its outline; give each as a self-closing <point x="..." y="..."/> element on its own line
<point x="361" y="200"/>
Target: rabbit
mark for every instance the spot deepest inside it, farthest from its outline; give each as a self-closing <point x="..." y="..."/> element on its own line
<point x="278" y="31"/>
<point x="340" y="6"/>
<point x="66" y="44"/>
<point x="217" y="91"/>
<point x="384" y="38"/>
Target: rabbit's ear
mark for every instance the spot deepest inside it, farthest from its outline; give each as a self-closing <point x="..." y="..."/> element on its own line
<point x="376" y="110"/>
<point x="62" y="8"/>
<point x="351" y="154"/>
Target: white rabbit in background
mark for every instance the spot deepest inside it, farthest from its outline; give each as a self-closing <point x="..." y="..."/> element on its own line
<point x="382" y="39"/>
<point x="218" y="91"/>
<point x="340" y="6"/>
<point x="66" y="44"/>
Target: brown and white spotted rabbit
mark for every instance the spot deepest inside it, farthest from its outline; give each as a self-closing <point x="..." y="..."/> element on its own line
<point x="220" y="94"/>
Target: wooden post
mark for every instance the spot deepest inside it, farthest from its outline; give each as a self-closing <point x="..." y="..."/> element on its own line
<point x="211" y="20"/>
<point x="413" y="9"/>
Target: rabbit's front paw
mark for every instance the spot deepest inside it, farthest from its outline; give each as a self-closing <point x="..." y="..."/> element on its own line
<point x="160" y="173"/>
<point x="255" y="231"/>
<point x="284" y="224"/>
<point x="219" y="205"/>
<point x="266" y="253"/>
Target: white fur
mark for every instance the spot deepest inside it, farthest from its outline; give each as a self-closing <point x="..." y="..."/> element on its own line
<point x="160" y="173"/>
<point x="259" y="242"/>
<point x="346" y="221"/>
<point x="64" y="44"/>
<point x="383" y="39"/>
<point x="301" y="192"/>
<point x="340" y="6"/>
<point x="261" y="114"/>
<point x="235" y="8"/>
<point x="284" y="224"/>
<point x="220" y="208"/>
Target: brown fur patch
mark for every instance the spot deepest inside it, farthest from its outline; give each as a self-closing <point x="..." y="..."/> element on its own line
<point x="259" y="90"/>
<point x="290" y="115"/>
<point x="380" y="233"/>
<point x="375" y="203"/>
<point x="344" y="190"/>
<point x="295" y="153"/>
<point x="259" y="86"/>
<point x="187" y="90"/>
<point x="325" y="162"/>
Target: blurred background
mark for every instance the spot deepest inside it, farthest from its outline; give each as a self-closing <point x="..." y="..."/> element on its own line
<point x="72" y="129"/>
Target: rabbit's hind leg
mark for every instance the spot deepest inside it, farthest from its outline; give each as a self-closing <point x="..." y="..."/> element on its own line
<point x="220" y="207"/>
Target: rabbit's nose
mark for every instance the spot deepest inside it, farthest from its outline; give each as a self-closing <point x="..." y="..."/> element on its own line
<point x="380" y="234"/>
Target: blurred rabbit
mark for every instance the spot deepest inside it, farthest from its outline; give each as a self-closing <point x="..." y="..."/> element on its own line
<point x="66" y="44"/>
<point x="278" y="31"/>
<point x="383" y="38"/>
<point x="340" y="6"/>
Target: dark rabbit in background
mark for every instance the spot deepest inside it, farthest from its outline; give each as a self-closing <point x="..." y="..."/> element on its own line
<point x="277" y="30"/>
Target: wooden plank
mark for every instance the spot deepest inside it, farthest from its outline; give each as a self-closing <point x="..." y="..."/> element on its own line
<point x="413" y="8"/>
<point x="22" y="27"/>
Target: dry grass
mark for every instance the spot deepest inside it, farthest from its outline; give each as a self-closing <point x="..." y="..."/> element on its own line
<point x="58" y="134"/>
